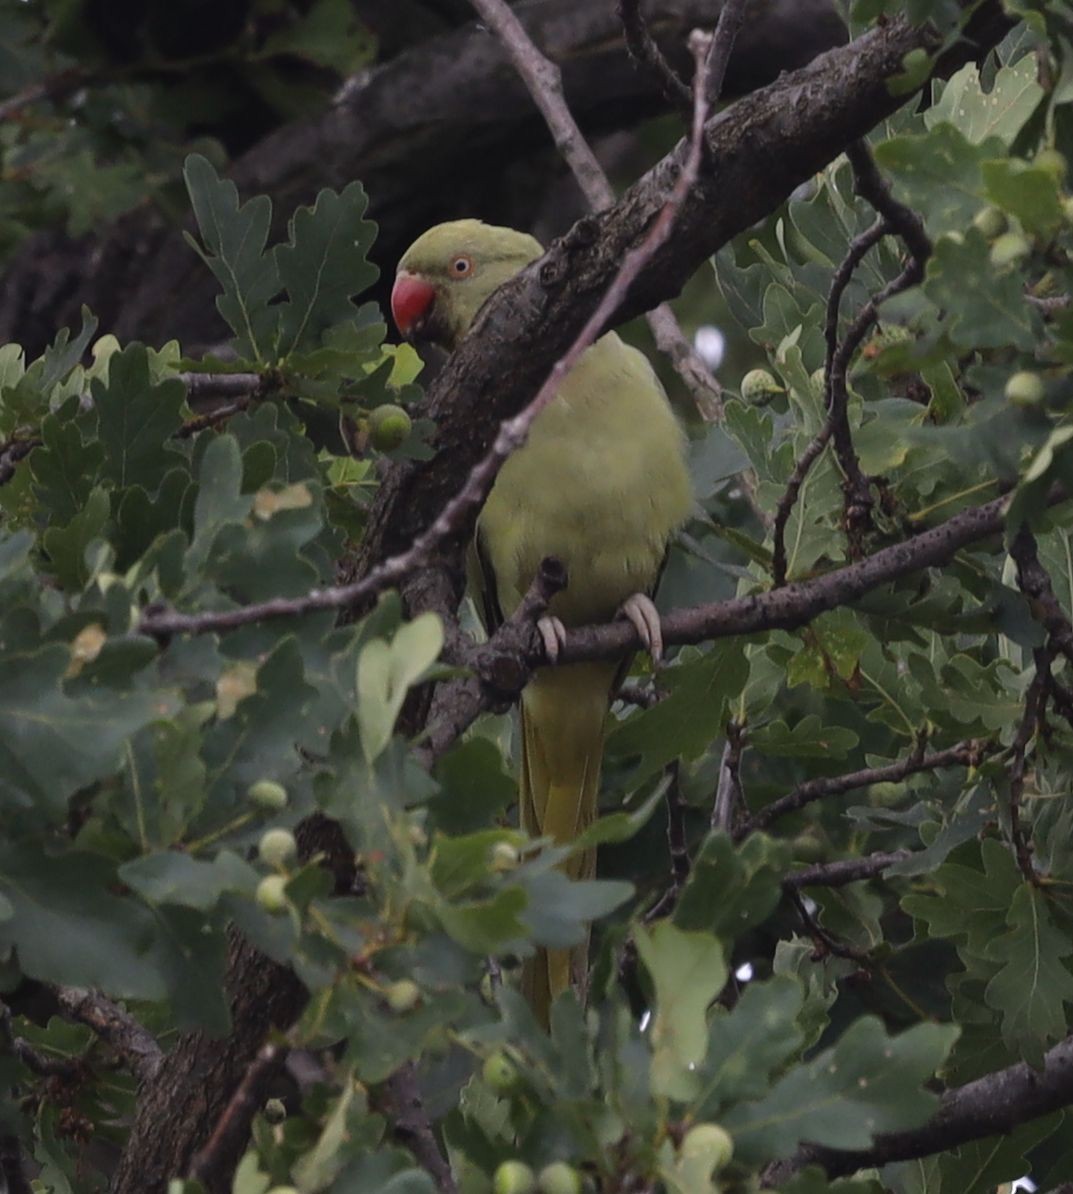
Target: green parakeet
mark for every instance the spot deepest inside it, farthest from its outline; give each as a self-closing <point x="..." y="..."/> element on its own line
<point x="601" y="484"/>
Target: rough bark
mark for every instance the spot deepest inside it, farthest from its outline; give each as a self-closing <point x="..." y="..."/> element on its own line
<point x="445" y="129"/>
<point x="759" y="150"/>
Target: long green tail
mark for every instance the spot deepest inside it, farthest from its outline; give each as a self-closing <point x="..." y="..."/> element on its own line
<point x="563" y="714"/>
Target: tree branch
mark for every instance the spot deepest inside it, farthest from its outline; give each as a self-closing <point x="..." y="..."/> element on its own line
<point x="1034" y="581"/>
<point x="215" y="1162"/>
<point x="117" y="1028"/>
<point x="411" y="1124"/>
<point x="964" y="754"/>
<point x="543" y="79"/>
<point x="441" y="130"/>
<point x="757" y="151"/>
<point x="991" y="1105"/>
<point x="647" y="55"/>
<point x="845" y="870"/>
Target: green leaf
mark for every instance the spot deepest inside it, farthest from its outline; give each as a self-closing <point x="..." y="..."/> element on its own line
<point x="235" y="237"/>
<point x="687" y="971"/>
<point x="66" y="546"/>
<point x="684" y="723"/>
<point x="330" y="34"/>
<point x="324" y="264"/>
<point x="730" y="891"/>
<point x="749" y="1044"/>
<point x="984" y="308"/>
<point x="867" y="1084"/>
<point x="1034" y="984"/>
<point x="64" y="468"/>
<point x="1029" y="192"/>
<point x="809" y="739"/>
<point x="174" y="878"/>
<point x="1013" y="97"/>
<point x="559" y="910"/>
<point x="220" y="501"/>
<point x="52" y="744"/>
<point x="387" y="671"/>
<point x="938" y="174"/>
<point x="70" y="929"/>
<point x="135" y="420"/>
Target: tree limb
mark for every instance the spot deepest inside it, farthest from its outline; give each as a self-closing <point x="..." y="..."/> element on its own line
<point x="757" y="151"/>
<point x="116" y="1027"/>
<point x="989" y="1106"/>
<point x="964" y="754"/>
<point x="443" y="129"/>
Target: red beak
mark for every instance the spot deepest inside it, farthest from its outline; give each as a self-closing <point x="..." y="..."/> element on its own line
<point x="411" y="301"/>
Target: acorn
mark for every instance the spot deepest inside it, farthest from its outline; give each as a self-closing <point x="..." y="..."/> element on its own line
<point x="500" y="1073"/>
<point x="991" y="222"/>
<point x="758" y="387"/>
<point x="709" y="1141"/>
<point x="402" y="996"/>
<point x="513" y="1177"/>
<point x="1009" y="249"/>
<point x="389" y="426"/>
<point x="1024" y="389"/>
<point x="272" y="894"/>
<point x="277" y="847"/>
<point x="267" y="795"/>
<point x="559" y="1178"/>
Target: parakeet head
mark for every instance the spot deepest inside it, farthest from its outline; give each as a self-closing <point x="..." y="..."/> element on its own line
<point x="448" y="272"/>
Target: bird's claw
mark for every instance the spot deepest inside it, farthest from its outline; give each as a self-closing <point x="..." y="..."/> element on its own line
<point x="642" y="613"/>
<point x="553" y="635"/>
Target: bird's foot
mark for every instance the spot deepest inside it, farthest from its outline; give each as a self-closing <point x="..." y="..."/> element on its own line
<point x="642" y="613"/>
<point x="553" y="635"/>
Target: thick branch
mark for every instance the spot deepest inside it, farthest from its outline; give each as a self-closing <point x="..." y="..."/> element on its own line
<point x="118" y="1028"/>
<point x="798" y="603"/>
<point x="544" y="82"/>
<point x="214" y="1164"/>
<point x="987" y="1107"/>
<point x="757" y="151"/>
<point x="442" y="130"/>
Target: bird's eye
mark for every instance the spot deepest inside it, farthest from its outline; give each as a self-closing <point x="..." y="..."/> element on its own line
<point x="462" y="267"/>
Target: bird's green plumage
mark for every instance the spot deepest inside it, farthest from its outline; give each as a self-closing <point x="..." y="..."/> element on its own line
<point x="602" y="485"/>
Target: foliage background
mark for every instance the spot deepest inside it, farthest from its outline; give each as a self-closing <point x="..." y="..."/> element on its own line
<point x="921" y="731"/>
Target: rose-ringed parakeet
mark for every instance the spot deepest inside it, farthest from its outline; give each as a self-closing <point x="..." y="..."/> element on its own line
<point x="601" y="484"/>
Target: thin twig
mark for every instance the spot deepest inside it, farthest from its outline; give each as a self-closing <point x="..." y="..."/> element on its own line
<point x="964" y="754"/>
<point x="32" y="1058"/>
<point x="57" y="87"/>
<point x="644" y="51"/>
<point x="894" y="217"/>
<point x="513" y="432"/>
<point x="410" y="1122"/>
<point x="644" y="696"/>
<point x="677" y="845"/>
<point x="873" y="187"/>
<point x="731" y="16"/>
<point x="1034" y="581"/>
<point x="825" y="942"/>
<point x="116" y="1027"/>
<point x="232" y="1129"/>
<point x="845" y="870"/>
<point x="543" y="79"/>
<point x="728" y="796"/>
<point x="12" y="453"/>
<point x="1031" y="721"/>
